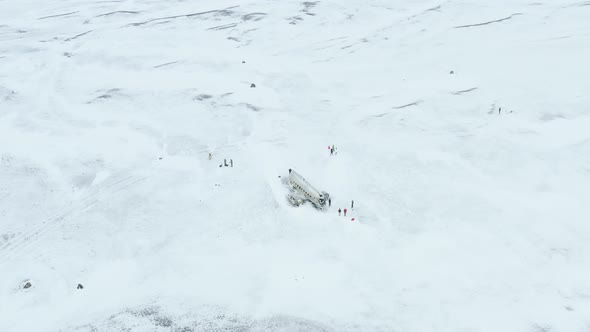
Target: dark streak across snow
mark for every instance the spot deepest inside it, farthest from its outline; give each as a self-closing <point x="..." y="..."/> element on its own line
<point x="118" y="12"/>
<point x="223" y="27"/>
<point x="486" y="23"/>
<point x="77" y="36"/>
<point x="57" y="15"/>
<point x="253" y="16"/>
<point x="433" y="9"/>
<point x="226" y="11"/>
<point x="464" y="91"/>
<point x="165" y="64"/>
<point x="416" y="103"/>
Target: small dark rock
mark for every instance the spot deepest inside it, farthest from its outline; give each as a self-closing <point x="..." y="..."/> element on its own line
<point x="27" y="285"/>
<point x="80" y="286"/>
<point x="252" y="85"/>
<point x="243" y="61"/>
<point x="160" y="158"/>
<point x="452" y="72"/>
<point x="203" y="96"/>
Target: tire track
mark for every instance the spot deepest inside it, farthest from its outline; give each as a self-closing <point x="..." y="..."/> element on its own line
<point x="66" y="210"/>
<point x="16" y="245"/>
<point x="9" y="249"/>
<point x="93" y="192"/>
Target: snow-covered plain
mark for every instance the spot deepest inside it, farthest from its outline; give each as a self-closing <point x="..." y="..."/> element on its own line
<point x="465" y="219"/>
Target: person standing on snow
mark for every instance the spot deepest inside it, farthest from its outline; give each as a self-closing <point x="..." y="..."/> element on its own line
<point x="352" y="204"/>
<point x="339" y="211"/>
<point x="231" y="162"/>
<point x="225" y="162"/>
<point x="345" y="212"/>
<point x="329" y="202"/>
<point x="210" y="156"/>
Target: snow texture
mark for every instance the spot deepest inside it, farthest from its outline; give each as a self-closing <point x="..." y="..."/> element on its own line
<point x="466" y="218"/>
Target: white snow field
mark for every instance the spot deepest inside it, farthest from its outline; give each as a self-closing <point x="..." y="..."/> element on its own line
<point x="466" y="218"/>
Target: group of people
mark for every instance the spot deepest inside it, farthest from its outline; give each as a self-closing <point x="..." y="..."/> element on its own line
<point x="339" y="209"/>
<point x="500" y="111"/>
<point x="231" y="162"/>
<point x="332" y="150"/>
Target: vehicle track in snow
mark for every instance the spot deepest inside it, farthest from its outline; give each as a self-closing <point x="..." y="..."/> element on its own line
<point x="17" y="244"/>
